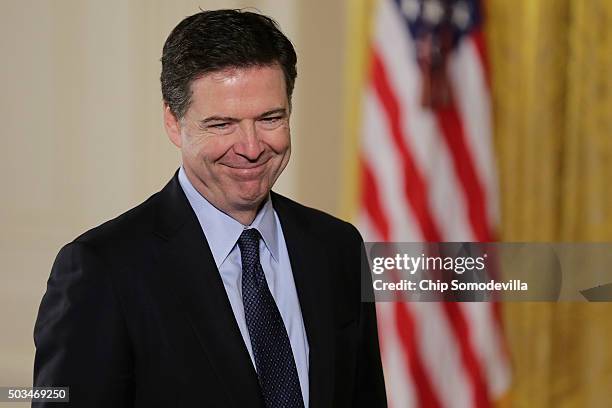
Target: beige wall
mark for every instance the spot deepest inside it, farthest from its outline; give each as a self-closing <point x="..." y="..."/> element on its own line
<point x="82" y="134"/>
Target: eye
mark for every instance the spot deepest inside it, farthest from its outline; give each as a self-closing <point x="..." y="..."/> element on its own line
<point x="272" y="119"/>
<point x="271" y="122"/>
<point x="220" y="126"/>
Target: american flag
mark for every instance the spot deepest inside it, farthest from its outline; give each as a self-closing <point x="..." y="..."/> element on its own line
<point x="427" y="174"/>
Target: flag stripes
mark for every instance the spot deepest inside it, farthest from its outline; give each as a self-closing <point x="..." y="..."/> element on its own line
<point x="427" y="174"/>
<point x="414" y="187"/>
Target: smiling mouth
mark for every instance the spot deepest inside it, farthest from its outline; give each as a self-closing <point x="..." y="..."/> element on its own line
<point x="256" y="166"/>
<point x="246" y="166"/>
<point x="247" y="171"/>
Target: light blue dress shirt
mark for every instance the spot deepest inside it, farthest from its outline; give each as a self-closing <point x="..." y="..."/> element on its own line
<point x="222" y="233"/>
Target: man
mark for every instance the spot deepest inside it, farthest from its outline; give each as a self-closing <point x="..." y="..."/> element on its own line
<point x="215" y="292"/>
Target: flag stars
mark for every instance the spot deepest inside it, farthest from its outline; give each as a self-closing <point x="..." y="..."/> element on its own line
<point x="411" y="9"/>
<point x="461" y="15"/>
<point x="433" y="12"/>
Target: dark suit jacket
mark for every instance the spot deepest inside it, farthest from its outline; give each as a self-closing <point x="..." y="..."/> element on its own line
<point x="136" y="315"/>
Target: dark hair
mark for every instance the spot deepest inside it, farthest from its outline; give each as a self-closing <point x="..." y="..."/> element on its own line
<point x="214" y="40"/>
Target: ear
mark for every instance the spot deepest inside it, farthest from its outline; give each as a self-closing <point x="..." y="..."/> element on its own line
<point x="172" y="125"/>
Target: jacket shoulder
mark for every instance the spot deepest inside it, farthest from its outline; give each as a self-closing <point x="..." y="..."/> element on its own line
<point x="135" y="223"/>
<point x="315" y="220"/>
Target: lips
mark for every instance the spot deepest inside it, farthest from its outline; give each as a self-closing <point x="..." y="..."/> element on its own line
<point x="247" y="171"/>
<point x="248" y="166"/>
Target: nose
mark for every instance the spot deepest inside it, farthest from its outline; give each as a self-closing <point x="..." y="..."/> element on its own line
<point x="249" y="145"/>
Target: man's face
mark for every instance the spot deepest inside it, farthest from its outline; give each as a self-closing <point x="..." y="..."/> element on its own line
<point x="234" y="138"/>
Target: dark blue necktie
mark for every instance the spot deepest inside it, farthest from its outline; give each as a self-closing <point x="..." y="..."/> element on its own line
<point x="276" y="368"/>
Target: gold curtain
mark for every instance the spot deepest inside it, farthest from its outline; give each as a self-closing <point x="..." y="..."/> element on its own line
<point x="551" y="66"/>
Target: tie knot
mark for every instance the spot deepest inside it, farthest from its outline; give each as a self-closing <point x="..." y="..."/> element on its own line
<point x="249" y="240"/>
<point x="249" y="248"/>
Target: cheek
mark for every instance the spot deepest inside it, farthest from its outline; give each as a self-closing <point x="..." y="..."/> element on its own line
<point x="208" y="149"/>
<point x="279" y="141"/>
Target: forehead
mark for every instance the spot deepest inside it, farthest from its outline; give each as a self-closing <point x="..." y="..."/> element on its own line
<point x="239" y="92"/>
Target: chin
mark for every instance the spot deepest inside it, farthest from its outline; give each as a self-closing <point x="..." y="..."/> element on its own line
<point x="249" y="198"/>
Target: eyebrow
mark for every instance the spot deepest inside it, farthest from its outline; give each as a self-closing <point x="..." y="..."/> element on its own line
<point x="281" y="111"/>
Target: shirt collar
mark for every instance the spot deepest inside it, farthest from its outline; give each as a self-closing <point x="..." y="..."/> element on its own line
<point x="221" y="230"/>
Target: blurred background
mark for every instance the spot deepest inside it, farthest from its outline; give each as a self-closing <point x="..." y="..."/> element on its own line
<point x="495" y="126"/>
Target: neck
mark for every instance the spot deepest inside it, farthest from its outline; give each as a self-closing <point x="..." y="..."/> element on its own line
<point x="243" y="217"/>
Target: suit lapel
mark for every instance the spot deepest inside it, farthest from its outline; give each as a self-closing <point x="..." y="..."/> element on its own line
<point x="189" y="270"/>
<point x="312" y="284"/>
